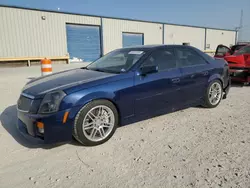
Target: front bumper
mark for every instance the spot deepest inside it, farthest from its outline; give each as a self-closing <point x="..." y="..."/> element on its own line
<point x="241" y="74"/>
<point x="55" y="130"/>
<point x="24" y="131"/>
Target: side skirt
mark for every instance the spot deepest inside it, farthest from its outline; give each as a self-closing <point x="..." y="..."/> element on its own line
<point x="134" y="119"/>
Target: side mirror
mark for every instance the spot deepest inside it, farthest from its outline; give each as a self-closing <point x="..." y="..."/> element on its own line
<point x="148" y="70"/>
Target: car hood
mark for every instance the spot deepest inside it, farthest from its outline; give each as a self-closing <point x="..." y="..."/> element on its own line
<point x="235" y="59"/>
<point x="62" y="80"/>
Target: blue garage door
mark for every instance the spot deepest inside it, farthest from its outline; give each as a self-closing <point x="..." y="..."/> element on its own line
<point x="83" y="42"/>
<point x="132" y="39"/>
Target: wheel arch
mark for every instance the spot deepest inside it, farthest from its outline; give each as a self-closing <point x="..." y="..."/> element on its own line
<point x="216" y="77"/>
<point x="78" y="132"/>
<point x="115" y="104"/>
<point x="99" y="96"/>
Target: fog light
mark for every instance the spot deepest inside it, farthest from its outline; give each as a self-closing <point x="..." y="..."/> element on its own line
<point x="41" y="131"/>
<point x="40" y="127"/>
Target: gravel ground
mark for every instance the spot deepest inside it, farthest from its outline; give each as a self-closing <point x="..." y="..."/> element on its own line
<point x="195" y="147"/>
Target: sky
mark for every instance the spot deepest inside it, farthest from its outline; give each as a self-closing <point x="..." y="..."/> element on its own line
<point x="212" y="13"/>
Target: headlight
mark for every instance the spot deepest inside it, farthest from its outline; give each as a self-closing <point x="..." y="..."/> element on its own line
<point x="51" y="102"/>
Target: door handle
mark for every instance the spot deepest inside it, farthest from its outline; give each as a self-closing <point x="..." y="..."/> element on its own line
<point x="205" y="73"/>
<point x="176" y="80"/>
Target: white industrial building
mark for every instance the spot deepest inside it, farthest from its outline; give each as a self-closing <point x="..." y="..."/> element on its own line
<point x="31" y="34"/>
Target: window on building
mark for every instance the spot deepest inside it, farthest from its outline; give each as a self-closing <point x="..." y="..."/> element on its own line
<point x="188" y="57"/>
<point x="132" y="39"/>
<point x="164" y="59"/>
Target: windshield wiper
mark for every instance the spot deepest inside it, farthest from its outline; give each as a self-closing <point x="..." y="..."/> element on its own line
<point x="99" y="70"/>
<point x="105" y="70"/>
<point x="85" y="68"/>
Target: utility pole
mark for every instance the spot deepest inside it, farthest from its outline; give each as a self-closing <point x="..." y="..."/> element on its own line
<point x="239" y="29"/>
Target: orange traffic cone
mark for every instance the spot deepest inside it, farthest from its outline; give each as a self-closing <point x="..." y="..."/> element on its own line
<point x="46" y="67"/>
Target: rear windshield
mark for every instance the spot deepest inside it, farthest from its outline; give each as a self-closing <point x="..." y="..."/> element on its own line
<point x="244" y="50"/>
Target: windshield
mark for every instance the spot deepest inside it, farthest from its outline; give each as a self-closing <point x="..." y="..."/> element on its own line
<point x="244" y="50"/>
<point x="236" y="48"/>
<point x="117" y="61"/>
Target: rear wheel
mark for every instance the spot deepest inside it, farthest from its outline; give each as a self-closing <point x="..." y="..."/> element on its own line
<point x="214" y="94"/>
<point x="95" y="123"/>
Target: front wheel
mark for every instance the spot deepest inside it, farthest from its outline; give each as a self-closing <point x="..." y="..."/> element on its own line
<point x="95" y="123"/>
<point x="214" y="94"/>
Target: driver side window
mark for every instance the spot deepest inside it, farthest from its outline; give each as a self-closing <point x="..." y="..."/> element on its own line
<point x="221" y="51"/>
<point x="164" y="59"/>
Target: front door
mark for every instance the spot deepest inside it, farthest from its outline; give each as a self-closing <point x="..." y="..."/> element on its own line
<point x="222" y="51"/>
<point x="158" y="90"/>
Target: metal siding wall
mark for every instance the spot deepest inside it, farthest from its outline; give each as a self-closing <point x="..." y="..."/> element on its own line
<point x="179" y="34"/>
<point x="24" y="34"/>
<point x="215" y="37"/>
<point x="113" y="28"/>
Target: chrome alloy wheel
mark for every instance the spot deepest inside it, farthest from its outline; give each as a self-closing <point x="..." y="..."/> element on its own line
<point x="98" y="123"/>
<point x="215" y="93"/>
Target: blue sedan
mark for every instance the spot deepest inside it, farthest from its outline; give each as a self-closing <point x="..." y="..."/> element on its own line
<point x="125" y="86"/>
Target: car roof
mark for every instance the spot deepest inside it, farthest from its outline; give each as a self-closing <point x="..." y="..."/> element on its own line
<point x="152" y="47"/>
<point x="239" y="45"/>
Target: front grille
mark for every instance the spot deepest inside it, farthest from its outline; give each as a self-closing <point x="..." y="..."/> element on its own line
<point x="24" y="104"/>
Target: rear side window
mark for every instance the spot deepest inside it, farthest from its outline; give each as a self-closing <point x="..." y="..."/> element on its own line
<point x="188" y="57"/>
<point x="164" y="59"/>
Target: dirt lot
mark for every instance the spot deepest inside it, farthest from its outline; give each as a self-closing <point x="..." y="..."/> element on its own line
<point x="195" y="147"/>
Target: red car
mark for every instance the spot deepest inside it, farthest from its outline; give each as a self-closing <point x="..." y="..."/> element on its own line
<point x="238" y="58"/>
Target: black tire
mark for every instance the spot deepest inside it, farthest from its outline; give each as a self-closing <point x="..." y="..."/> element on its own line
<point x="207" y="102"/>
<point x="78" y="130"/>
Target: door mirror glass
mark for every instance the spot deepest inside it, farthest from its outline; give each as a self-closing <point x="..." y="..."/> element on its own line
<point x="148" y="70"/>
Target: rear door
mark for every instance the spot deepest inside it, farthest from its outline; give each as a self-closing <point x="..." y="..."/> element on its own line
<point x="158" y="90"/>
<point x="195" y="72"/>
<point x="222" y="51"/>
